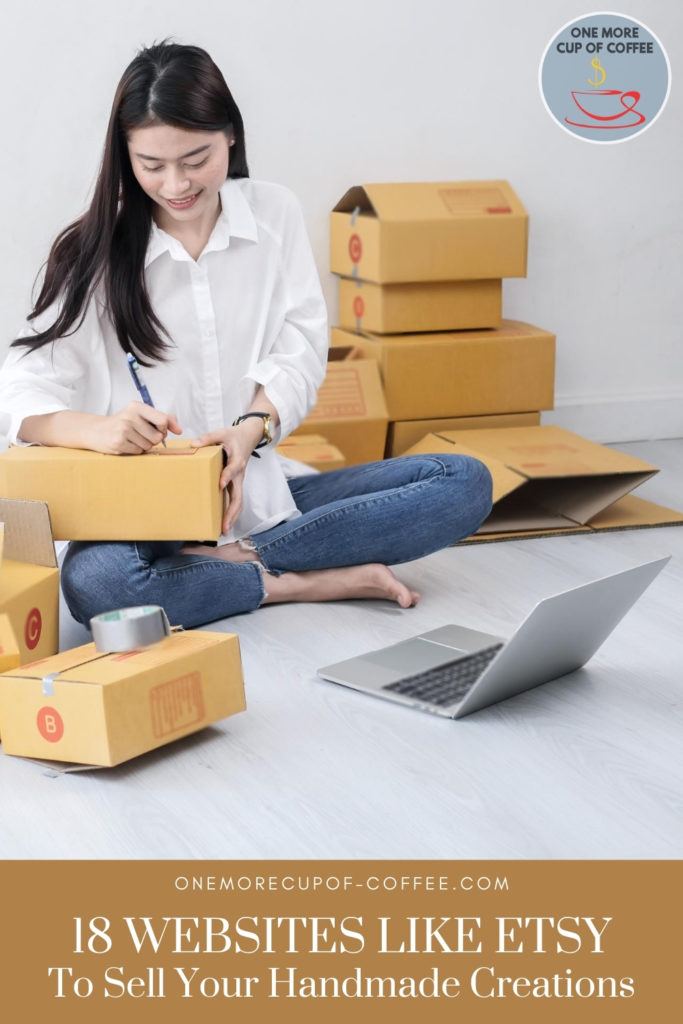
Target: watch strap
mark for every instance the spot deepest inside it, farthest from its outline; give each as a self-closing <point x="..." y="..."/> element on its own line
<point x="267" y="438"/>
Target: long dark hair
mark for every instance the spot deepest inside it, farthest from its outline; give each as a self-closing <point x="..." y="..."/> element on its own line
<point x="165" y="84"/>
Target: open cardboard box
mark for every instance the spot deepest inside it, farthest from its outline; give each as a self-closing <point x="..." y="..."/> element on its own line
<point x="429" y="231"/>
<point x="166" y="494"/>
<point x="350" y="410"/>
<point x="548" y="480"/>
<point x="463" y="373"/>
<point x="29" y="581"/>
<point x="419" y="305"/>
<point x="83" y="708"/>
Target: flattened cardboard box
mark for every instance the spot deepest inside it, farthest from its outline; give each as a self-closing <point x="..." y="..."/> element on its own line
<point x="29" y="579"/>
<point x="313" y="450"/>
<point x="466" y="373"/>
<point x="166" y="494"/>
<point x="429" y="231"/>
<point x="628" y="513"/>
<point x="404" y="433"/>
<point x="419" y="306"/>
<point x="350" y="411"/>
<point x="103" y="709"/>
<point x="544" y="478"/>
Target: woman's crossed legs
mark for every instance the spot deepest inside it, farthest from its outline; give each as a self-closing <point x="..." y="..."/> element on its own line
<point x="355" y="522"/>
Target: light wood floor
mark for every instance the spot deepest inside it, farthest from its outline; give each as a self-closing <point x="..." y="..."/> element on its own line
<point x="587" y="767"/>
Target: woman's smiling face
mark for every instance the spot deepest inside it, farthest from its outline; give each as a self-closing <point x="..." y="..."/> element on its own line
<point x="173" y="165"/>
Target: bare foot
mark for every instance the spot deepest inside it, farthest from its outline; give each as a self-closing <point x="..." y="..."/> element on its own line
<point x="354" y="581"/>
<point x="373" y="580"/>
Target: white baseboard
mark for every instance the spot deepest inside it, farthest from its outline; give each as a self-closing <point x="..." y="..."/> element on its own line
<point x="609" y="418"/>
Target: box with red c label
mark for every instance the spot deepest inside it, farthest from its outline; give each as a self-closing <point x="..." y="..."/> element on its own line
<point x="29" y="577"/>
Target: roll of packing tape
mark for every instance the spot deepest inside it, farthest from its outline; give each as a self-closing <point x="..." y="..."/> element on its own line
<point x="126" y="629"/>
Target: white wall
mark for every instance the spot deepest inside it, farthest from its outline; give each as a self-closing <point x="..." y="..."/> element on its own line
<point x="335" y="94"/>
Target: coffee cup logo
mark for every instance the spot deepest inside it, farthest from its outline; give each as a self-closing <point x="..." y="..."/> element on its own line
<point x="604" y="77"/>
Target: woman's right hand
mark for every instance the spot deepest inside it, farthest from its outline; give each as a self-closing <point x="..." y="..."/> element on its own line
<point x="133" y="430"/>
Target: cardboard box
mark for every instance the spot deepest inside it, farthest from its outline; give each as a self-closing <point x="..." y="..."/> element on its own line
<point x="544" y="478"/>
<point x="350" y="411"/>
<point x="103" y="709"/>
<point x="419" y="306"/>
<point x="468" y="373"/>
<point x="313" y="450"/>
<point x="29" y="580"/>
<point x="429" y="231"/>
<point x="166" y="494"/>
<point x="404" y="433"/>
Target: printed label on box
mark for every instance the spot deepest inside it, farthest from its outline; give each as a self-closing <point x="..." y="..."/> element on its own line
<point x="474" y="200"/>
<point x="176" y="704"/>
<point x="340" y="395"/>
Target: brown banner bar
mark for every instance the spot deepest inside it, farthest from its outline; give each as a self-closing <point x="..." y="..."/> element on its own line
<point x="546" y="941"/>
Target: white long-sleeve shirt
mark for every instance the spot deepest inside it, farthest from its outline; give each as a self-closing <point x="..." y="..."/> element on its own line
<point x="248" y="311"/>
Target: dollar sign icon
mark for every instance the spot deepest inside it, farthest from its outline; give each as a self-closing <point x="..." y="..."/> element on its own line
<point x="599" y="70"/>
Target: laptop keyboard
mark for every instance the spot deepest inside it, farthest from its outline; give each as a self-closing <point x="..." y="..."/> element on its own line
<point x="445" y="684"/>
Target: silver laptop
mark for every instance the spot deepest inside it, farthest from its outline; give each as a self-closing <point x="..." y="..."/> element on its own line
<point x="453" y="671"/>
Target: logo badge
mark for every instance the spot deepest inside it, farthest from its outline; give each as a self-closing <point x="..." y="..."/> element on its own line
<point x="604" y="77"/>
<point x="355" y="248"/>
<point x="32" y="628"/>
<point x="50" y="724"/>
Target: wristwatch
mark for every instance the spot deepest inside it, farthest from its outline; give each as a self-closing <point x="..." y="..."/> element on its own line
<point x="267" y="436"/>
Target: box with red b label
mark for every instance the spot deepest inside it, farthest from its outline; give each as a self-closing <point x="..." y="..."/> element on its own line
<point x="29" y="578"/>
<point x="89" y="708"/>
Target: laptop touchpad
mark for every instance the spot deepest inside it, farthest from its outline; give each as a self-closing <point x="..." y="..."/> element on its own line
<point x="411" y="656"/>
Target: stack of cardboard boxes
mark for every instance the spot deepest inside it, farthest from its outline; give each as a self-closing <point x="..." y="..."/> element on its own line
<point x="421" y="268"/>
<point x="83" y="707"/>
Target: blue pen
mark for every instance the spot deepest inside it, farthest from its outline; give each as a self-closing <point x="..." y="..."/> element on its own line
<point x="134" y="367"/>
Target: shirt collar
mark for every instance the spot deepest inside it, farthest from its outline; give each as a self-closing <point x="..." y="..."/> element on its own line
<point x="235" y="219"/>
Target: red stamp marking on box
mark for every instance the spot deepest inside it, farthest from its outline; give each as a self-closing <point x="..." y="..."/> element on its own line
<point x="126" y="655"/>
<point x="32" y="628"/>
<point x="50" y="724"/>
<point x="177" y="704"/>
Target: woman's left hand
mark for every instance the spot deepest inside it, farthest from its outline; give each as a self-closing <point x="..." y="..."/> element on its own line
<point x="238" y="444"/>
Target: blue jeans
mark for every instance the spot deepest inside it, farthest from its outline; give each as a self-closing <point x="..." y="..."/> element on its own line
<point x="391" y="511"/>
